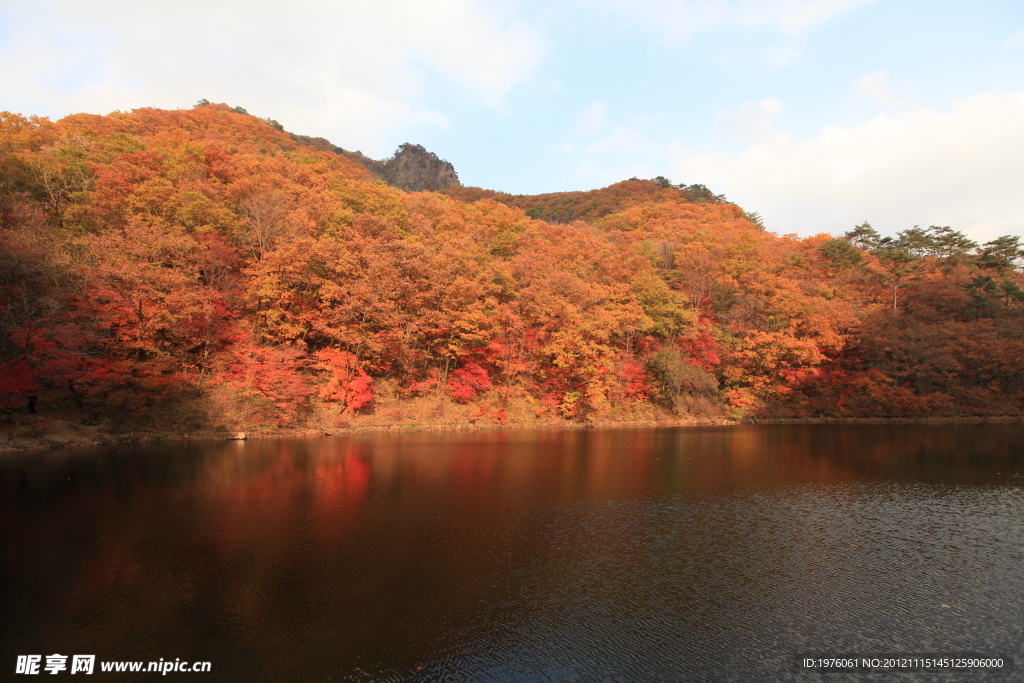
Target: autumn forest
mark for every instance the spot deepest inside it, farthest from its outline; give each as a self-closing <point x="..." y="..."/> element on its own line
<point x="205" y="269"/>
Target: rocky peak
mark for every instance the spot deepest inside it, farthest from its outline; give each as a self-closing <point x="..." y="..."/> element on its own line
<point x="414" y="169"/>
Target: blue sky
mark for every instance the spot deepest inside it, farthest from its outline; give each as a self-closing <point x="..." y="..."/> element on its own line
<point x="818" y="114"/>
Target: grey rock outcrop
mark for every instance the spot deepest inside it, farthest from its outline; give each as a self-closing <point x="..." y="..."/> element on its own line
<point x="414" y="169"/>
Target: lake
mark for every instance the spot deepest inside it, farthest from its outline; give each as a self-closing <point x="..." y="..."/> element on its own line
<point x="680" y="554"/>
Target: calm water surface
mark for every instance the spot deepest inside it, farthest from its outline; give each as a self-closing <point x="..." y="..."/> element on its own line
<point x="590" y="555"/>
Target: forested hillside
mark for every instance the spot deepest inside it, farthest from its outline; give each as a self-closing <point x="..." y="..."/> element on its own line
<point x="192" y="269"/>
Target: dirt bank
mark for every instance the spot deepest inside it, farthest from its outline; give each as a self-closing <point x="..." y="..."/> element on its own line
<point x="44" y="432"/>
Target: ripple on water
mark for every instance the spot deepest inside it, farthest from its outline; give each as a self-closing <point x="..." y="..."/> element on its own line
<point x="595" y="555"/>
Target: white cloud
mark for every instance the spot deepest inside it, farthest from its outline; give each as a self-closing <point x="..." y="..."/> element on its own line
<point x="793" y="16"/>
<point x="1015" y="41"/>
<point x="780" y="56"/>
<point x="681" y="19"/>
<point x="752" y="122"/>
<point x="591" y="173"/>
<point x="625" y="139"/>
<point x="589" y="120"/>
<point x="875" y="86"/>
<point x="621" y="152"/>
<point x="351" y="69"/>
<point x="960" y="168"/>
<point x="585" y="170"/>
<point x="628" y="142"/>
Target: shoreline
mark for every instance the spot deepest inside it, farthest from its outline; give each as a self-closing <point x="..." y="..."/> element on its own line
<point x="47" y="433"/>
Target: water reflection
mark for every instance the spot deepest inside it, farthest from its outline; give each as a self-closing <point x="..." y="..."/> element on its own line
<point x="578" y="555"/>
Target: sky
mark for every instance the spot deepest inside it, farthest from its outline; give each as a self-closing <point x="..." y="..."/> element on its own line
<point x="817" y="114"/>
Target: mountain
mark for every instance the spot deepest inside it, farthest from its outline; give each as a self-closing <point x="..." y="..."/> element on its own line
<point x="588" y="206"/>
<point x="414" y="169"/>
<point x="411" y="168"/>
<point x="181" y="270"/>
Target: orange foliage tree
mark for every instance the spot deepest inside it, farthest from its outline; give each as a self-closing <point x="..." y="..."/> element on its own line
<point x="155" y="260"/>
